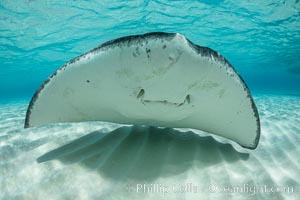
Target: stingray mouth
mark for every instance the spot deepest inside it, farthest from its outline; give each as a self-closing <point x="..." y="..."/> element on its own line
<point x="141" y="95"/>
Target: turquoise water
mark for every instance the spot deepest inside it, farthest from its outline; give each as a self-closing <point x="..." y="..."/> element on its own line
<point x="98" y="160"/>
<point x="260" y="38"/>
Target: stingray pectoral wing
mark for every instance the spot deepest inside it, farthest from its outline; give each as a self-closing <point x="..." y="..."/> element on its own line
<point x="159" y="79"/>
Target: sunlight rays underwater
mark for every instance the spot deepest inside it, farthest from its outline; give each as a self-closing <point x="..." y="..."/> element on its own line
<point x="94" y="160"/>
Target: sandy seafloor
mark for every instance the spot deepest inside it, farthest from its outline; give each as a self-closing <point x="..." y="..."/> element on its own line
<point x="107" y="161"/>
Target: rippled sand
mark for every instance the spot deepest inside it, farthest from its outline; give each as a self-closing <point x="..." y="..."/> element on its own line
<point x="107" y="161"/>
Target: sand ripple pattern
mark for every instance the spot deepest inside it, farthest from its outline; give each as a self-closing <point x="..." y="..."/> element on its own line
<point x="107" y="161"/>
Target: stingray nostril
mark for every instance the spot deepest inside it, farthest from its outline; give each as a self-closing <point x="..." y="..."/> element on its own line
<point x="141" y="93"/>
<point x="188" y="98"/>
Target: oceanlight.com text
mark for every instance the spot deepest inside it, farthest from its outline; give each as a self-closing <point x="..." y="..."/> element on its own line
<point x="212" y="188"/>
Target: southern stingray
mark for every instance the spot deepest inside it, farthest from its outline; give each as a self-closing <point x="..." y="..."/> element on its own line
<point x="157" y="79"/>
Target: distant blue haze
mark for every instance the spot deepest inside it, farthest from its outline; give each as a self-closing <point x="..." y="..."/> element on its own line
<point x="261" y="39"/>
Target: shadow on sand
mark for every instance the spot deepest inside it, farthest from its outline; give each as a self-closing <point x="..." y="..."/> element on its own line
<point x="144" y="153"/>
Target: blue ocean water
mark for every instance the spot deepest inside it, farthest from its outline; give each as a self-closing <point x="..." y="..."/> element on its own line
<point x="261" y="39"/>
<point x="99" y="160"/>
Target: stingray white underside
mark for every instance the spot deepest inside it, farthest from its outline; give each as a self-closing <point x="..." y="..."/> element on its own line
<point x="159" y="79"/>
